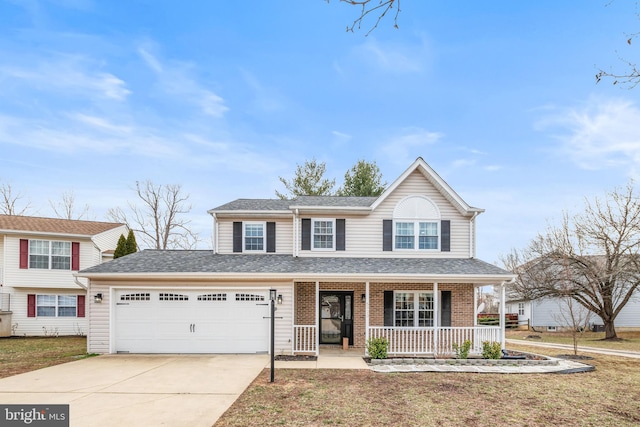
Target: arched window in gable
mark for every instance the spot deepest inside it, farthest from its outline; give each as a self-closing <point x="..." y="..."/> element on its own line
<point x="416" y="224"/>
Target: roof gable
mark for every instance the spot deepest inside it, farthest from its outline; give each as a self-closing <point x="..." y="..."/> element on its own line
<point x="30" y="224"/>
<point x="440" y="185"/>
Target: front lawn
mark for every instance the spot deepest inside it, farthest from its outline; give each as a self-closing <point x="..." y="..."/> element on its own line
<point x="23" y="354"/>
<point x="606" y="397"/>
<point x="629" y="341"/>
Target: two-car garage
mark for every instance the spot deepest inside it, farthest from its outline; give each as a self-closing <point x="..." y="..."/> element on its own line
<point x="190" y="321"/>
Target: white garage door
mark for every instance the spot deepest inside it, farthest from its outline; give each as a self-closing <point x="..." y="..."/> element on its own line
<point x="193" y="321"/>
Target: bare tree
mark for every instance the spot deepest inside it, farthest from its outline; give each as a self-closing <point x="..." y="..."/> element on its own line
<point x="373" y="8"/>
<point x="630" y="76"/>
<point x="572" y="314"/>
<point x="10" y="201"/>
<point x="593" y="257"/>
<point x="66" y="207"/>
<point x="159" y="221"/>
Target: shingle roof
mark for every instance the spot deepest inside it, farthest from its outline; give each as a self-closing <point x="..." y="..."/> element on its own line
<point x="54" y="225"/>
<point x="189" y="261"/>
<point x="282" y="205"/>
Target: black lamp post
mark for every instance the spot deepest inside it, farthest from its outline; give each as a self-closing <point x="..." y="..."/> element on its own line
<point x="272" y="296"/>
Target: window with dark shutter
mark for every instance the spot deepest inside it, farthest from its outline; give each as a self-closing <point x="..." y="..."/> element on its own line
<point x="271" y="236"/>
<point x="445" y="228"/>
<point x="388" y="308"/>
<point x="306" y="234"/>
<point x="445" y="308"/>
<point x="31" y="305"/>
<point x="387" y="235"/>
<point x="237" y="237"/>
<point x="75" y="256"/>
<point x="81" y="306"/>
<point x="340" y="235"/>
<point x="24" y="256"/>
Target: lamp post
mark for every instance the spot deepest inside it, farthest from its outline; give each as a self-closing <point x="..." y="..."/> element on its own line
<point x="272" y="296"/>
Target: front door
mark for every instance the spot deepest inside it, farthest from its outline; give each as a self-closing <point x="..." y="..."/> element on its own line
<point x="336" y="317"/>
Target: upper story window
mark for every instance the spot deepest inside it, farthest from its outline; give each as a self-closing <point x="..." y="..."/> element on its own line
<point x="254" y="236"/>
<point x="323" y="234"/>
<point x="49" y="254"/>
<point x="416" y="224"/>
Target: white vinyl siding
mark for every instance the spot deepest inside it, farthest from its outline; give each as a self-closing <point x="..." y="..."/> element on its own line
<point x="46" y="325"/>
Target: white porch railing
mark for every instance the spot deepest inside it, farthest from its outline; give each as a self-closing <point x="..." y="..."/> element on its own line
<point x="440" y="340"/>
<point x="304" y="339"/>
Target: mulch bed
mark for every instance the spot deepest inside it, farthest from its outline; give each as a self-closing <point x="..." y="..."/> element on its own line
<point x="574" y="357"/>
<point x="301" y="358"/>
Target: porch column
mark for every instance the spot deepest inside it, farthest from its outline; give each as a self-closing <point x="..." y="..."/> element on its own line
<point x="475" y="306"/>
<point x="293" y="317"/>
<point x="436" y="315"/>
<point x="317" y="318"/>
<point x="502" y="313"/>
<point x="366" y="317"/>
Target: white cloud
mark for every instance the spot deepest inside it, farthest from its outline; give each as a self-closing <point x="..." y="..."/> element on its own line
<point x="392" y="57"/>
<point x="74" y="75"/>
<point x="176" y="79"/>
<point x="599" y="135"/>
<point x="409" y="145"/>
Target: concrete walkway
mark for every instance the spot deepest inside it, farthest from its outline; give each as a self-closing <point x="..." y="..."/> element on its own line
<point x="581" y="349"/>
<point x="139" y="390"/>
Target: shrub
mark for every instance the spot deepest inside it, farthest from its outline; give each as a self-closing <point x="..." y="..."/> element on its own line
<point x="377" y="348"/>
<point x="462" y="351"/>
<point x="491" y="350"/>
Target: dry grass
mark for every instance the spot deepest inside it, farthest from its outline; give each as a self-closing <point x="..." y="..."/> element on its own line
<point x="605" y="397"/>
<point x="19" y="354"/>
<point x="629" y="341"/>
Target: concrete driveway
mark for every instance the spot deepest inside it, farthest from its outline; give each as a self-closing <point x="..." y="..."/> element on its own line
<point x="139" y="390"/>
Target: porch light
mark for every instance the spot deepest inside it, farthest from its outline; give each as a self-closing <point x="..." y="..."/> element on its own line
<point x="364" y="297"/>
<point x="97" y="298"/>
<point x="272" y="294"/>
<point x="280" y="299"/>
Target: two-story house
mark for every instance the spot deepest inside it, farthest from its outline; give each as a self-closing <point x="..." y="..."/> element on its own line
<point x="342" y="270"/>
<point x="39" y="293"/>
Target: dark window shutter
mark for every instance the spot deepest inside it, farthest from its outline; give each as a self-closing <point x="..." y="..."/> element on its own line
<point x="24" y="254"/>
<point x="81" y="305"/>
<point x="271" y="237"/>
<point x="306" y="234"/>
<point x="388" y="308"/>
<point x="75" y="256"/>
<point x="387" y="235"/>
<point x="445" y="235"/>
<point x="31" y="305"/>
<point x="445" y="308"/>
<point x="237" y="237"/>
<point x="340" y="235"/>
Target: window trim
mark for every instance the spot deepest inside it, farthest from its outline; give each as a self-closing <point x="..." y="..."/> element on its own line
<point x="416" y="308"/>
<point x="50" y="255"/>
<point x="56" y="305"/>
<point x="520" y="309"/>
<point x="333" y="234"/>
<point x="416" y="234"/>
<point x="264" y="236"/>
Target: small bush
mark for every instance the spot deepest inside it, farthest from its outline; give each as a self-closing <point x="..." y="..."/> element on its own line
<point x="377" y="348"/>
<point x="491" y="350"/>
<point x="462" y="351"/>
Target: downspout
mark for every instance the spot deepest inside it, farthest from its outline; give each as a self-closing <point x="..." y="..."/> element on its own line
<point x="472" y="237"/>
<point x="214" y="238"/>
<point x="75" y="279"/>
<point x="296" y="233"/>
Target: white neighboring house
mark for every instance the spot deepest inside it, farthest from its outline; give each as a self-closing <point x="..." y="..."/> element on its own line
<point x="544" y="314"/>
<point x="38" y="259"/>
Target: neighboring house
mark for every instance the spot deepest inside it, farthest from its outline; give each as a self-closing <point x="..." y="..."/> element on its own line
<point x="342" y="270"/>
<point x="545" y="314"/>
<point x="38" y="258"/>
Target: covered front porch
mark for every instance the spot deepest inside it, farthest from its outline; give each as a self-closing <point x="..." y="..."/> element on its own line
<point x="418" y="319"/>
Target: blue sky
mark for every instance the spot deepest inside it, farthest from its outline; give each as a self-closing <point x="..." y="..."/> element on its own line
<point x="223" y="97"/>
